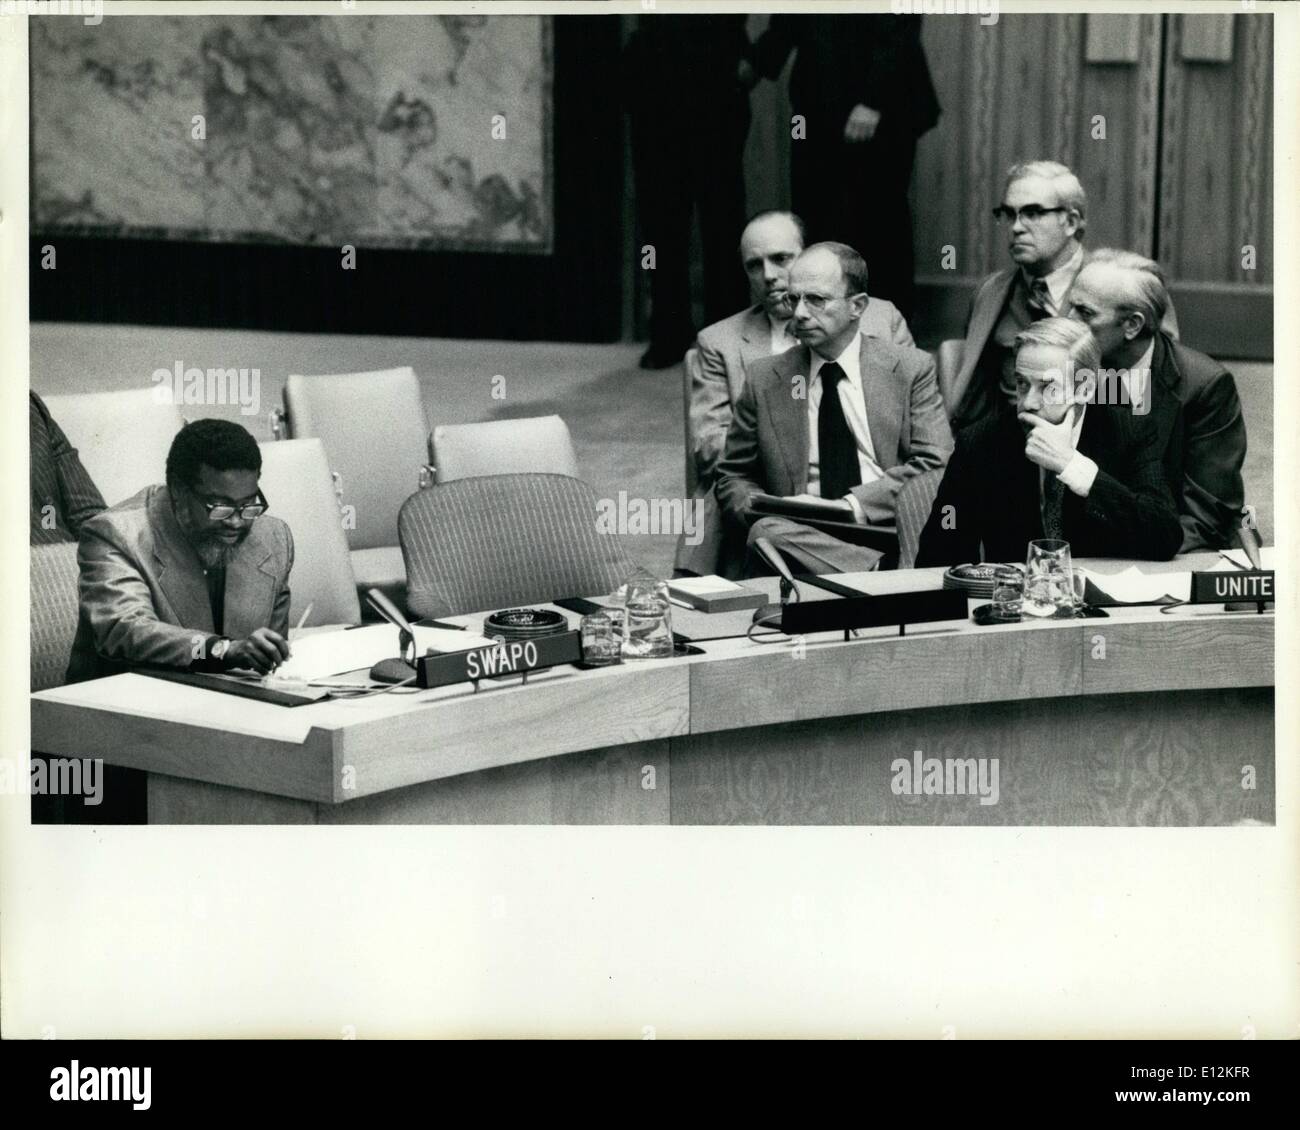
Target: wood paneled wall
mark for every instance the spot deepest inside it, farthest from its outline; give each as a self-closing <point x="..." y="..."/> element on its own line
<point x="1184" y="170"/>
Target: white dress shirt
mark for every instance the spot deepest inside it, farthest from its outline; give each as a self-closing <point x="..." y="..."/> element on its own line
<point x="854" y="405"/>
<point x="1058" y="281"/>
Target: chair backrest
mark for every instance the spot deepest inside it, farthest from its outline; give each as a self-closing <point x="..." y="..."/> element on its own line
<point x="537" y="444"/>
<point x="690" y="367"/>
<point x="912" y="506"/>
<point x="121" y="437"/>
<point x="376" y="439"/>
<point x="503" y="540"/>
<point x="55" y="600"/>
<point x="948" y="361"/>
<point x="297" y="483"/>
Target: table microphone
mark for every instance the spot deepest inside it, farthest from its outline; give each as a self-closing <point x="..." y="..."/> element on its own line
<point x="392" y="670"/>
<point x="770" y="614"/>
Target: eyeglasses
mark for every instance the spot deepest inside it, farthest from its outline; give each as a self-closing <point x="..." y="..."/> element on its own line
<point x="220" y="511"/>
<point x="1030" y="213"/>
<point x="814" y="302"/>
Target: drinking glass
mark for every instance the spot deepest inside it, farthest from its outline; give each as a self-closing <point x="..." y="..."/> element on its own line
<point x="1049" y="580"/>
<point x="1008" y="597"/>
<point x="601" y="640"/>
<point x="647" y="618"/>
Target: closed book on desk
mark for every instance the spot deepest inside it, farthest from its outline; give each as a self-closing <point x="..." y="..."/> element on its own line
<point x="714" y="594"/>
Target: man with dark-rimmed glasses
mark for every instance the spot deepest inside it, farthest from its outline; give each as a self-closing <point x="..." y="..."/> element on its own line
<point x="1042" y="215"/>
<point x="192" y="574"/>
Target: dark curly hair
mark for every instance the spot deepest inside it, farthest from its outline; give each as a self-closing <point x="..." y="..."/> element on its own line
<point x="220" y="444"/>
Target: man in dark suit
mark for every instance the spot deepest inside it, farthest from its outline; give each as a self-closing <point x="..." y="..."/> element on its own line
<point x="686" y="89"/>
<point x="1190" y="398"/>
<point x="188" y="574"/>
<point x="62" y="493"/>
<point x="862" y="88"/>
<point x="770" y="242"/>
<point x="844" y="419"/>
<point x="1044" y="215"/>
<point x="1057" y="468"/>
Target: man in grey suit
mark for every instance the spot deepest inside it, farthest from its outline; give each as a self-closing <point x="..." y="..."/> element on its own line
<point x="1043" y="215"/>
<point x="844" y="419"/>
<point x="771" y="241"/>
<point x="187" y="575"/>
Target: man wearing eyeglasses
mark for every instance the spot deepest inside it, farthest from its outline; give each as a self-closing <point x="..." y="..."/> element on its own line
<point x="844" y="420"/>
<point x="1043" y="216"/>
<point x="191" y="574"/>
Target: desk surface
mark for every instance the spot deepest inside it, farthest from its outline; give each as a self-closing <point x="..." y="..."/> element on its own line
<point x="343" y="749"/>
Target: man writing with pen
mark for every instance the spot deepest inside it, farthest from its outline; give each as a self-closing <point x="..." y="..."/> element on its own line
<point x="192" y="574"/>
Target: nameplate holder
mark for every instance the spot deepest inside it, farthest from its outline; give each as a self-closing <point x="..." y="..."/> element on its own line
<point x="510" y="657"/>
<point x="902" y="608"/>
<point x="1244" y="586"/>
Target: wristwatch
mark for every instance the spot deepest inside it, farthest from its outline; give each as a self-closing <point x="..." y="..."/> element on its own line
<point x="219" y="649"/>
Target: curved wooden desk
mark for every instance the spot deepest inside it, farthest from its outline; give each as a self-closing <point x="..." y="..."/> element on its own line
<point x="1142" y="718"/>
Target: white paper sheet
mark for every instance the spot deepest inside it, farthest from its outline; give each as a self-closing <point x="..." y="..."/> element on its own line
<point x="1132" y="586"/>
<point x="1239" y="556"/>
<point x="332" y="653"/>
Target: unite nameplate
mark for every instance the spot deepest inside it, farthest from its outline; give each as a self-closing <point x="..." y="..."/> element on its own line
<point x="1233" y="585"/>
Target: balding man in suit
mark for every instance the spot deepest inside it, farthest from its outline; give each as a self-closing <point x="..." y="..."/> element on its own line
<point x="771" y="241"/>
<point x="844" y="420"/>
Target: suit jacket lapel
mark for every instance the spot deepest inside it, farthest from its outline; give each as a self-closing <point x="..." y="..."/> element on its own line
<point x="178" y="569"/>
<point x="1163" y="390"/>
<point x="755" y="340"/>
<point x="250" y="588"/>
<point x="790" y="415"/>
<point x="983" y="318"/>
<point x="883" y="399"/>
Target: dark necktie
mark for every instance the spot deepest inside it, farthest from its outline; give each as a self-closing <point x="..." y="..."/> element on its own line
<point x="1039" y="298"/>
<point x="1053" y="501"/>
<point x="837" y="453"/>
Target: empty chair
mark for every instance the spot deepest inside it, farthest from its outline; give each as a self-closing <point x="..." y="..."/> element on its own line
<point x="538" y="444"/>
<point x="947" y="363"/>
<point x="503" y="540"/>
<point x="55" y="599"/>
<point x="297" y="484"/>
<point x="122" y="437"/>
<point x="376" y="439"/>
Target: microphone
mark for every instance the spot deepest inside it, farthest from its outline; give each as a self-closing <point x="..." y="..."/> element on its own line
<point x="770" y="614"/>
<point x="1250" y="541"/>
<point x="393" y="670"/>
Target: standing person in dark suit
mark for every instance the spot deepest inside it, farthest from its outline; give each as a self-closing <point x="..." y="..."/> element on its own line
<point x="863" y="88"/>
<point x="1190" y="398"/>
<point x="62" y="493"/>
<point x="1057" y="467"/>
<point x="687" y="82"/>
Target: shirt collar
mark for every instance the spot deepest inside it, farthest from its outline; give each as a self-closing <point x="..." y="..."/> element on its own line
<point x="849" y="360"/>
<point x="1059" y="280"/>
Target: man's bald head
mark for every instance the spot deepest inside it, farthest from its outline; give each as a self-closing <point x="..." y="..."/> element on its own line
<point x="768" y="245"/>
